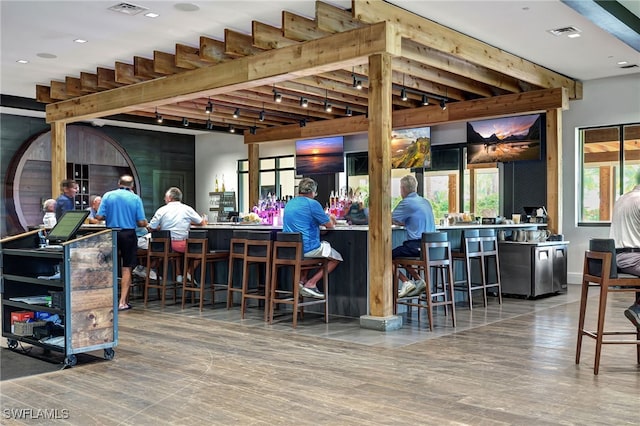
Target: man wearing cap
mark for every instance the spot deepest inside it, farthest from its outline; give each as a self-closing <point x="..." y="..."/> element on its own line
<point x="305" y="215"/>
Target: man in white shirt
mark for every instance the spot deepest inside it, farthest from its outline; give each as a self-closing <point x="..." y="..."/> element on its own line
<point x="625" y="230"/>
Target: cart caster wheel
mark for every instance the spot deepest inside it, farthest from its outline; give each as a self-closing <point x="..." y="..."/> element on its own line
<point x="12" y="344"/>
<point x="109" y="353"/>
<point x="70" y="361"/>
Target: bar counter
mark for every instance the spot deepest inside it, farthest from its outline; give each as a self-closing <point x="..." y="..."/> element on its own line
<point x="349" y="282"/>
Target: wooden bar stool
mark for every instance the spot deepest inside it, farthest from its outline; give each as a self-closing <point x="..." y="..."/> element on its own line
<point x="288" y="263"/>
<point x="257" y="257"/>
<point x="491" y="261"/>
<point x="434" y="265"/>
<point x="197" y="254"/>
<point x="236" y="261"/>
<point x="600" y="270"/>
<point x="160" y="251"/>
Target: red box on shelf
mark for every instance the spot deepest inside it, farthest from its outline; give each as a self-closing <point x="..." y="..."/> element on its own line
<point x="21" y="316"/>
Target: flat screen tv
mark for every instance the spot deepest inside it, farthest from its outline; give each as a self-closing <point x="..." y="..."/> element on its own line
<point x="320" y="156"/>
<point x="505" y="139"/>
<point x="411" y="148"/>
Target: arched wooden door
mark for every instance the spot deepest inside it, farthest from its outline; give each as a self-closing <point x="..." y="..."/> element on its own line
<point x="93" y="159"/>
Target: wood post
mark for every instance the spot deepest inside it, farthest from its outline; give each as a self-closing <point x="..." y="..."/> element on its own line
<point x="58" y="156"/>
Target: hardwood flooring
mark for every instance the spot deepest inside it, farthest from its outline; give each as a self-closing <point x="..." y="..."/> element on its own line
<point x="510" y="364"/>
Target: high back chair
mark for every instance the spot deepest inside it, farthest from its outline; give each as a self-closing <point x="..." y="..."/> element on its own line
<point x="288" y="264"/>
<point x="479" y="247"/>
<point x="197" y="255"/>
<point x="434" y="265"/>
<point x="600" y="270"/>
<point x="256" y="270"/>
<point x="236" y="264"/>
<point x="159" y="252"/>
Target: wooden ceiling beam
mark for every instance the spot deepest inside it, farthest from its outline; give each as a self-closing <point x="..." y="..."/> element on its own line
<point x="332" y="19"/>
<point x="498" y="106"/>
<point x="189" y="58"/>
<point x="212" y="50"/>
<point x="74" y="86"/>
<point x="342" y="50"/>
<point x="125" y="74"/>
<point x="237" y="44"/>
<point x="89" y="82"/>
<point x="59" y="90"/>
<point x="430" y="33"/>
<point x="165" y="63"/>
<point x="43" y="94"/>
<point x="144" y="68"/>
<point x="299" y="28"/>
<point x="107" y="78"/>
<point x="267" y="37"/>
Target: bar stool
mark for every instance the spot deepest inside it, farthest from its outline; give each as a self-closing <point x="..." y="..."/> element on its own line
<point x="600" y="269"/>
<point x="288" y="254"/>
<point x="236" y="260"/>
<point x="257" y="256"/>
<point x="160" y="250"/>
<point x="197" y="252"/>
<point x="480" y="249"/>
<point x="434" y="265"/>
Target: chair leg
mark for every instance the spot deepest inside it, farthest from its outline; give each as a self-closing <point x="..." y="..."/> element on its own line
<point x="602" y="307"/>
<point x="581" y="317"/>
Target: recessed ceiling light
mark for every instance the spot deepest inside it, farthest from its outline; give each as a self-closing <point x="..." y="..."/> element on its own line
<point x="80" y="40"/>
<point x="619" y="63"/>
<point x="24" y="61"/>
<point x="151" y="15"/>
<point x="573" y="35"/>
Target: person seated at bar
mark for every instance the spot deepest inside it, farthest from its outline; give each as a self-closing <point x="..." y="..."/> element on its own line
<point x="416" y="215"/>
<point x="66" y="200"/>
<point x="177" y="218"/>
<point x="305" y="215"/>
<point x="625" y="230"/>
<point x="357" y="214"/>
<point x="94" y="205"/>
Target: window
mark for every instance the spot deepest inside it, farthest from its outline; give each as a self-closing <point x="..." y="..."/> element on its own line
<point x="277" y="176"/>
<point x="610" y="160"/>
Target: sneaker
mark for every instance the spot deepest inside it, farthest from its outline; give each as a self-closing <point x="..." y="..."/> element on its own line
<point x="421" y="286"/>
<point x="633" y="314"/>
<point x="192" y="281"/>
<point x="153" y="275"/>
<point x="139" y="271"/>
<point x="179" y="278"/>
<point x="405" y="288"/>
<point x="311" y="292"/>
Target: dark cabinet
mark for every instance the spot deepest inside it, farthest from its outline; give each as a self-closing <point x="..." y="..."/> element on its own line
<point x="533" y="269"/>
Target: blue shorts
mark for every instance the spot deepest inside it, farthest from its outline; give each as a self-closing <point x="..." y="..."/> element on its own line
<point x="410" y="248"/>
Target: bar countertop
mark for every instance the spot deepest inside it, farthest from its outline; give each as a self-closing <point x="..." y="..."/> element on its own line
<point x="339" y="227"/>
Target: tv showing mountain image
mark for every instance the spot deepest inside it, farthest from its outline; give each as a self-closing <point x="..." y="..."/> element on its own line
<point x="320" y="156"/>
<point x="411" y="148"/>
<point x="504" y="139"/>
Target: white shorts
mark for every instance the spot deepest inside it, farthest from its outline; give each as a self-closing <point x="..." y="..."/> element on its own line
<point x="325" y="251"/>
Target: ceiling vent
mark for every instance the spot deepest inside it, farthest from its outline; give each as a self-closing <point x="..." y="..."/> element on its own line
<point x="564" y="31"/>
<point x="624" y="67"/>
<point x="128" y="8"/>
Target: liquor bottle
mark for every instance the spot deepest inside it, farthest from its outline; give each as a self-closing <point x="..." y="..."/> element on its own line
<point x="216" y="187"/>
<point x="222" y="183"/>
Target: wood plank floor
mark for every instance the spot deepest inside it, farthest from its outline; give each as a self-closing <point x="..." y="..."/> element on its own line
<point x="510" y="364"/>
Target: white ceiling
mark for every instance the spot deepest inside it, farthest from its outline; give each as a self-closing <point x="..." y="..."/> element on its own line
<point x="30" y="28"/>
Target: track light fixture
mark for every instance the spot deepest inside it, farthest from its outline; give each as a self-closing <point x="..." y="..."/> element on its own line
<point x="236" y="113"/>
<point x="252" y="130"/>
<point x="262" y="114"/>
<point x="185" y="122"/>
<point x="443" y="104"/>
<point x="277" y="97"/>
<point x="232" y="129"/>
<point x="403" y="92"/>
<point x="209" y="125"/>
<point x="327" y="106"/>
<point x="209" y="107"/>
<point x="356" y="83"/>
<point x="303" y="122"/>
<point x="347" y="111"/>
<point x="158" y="117"/>
<point x="425" y="100"/>
<point x="304" y="102"/>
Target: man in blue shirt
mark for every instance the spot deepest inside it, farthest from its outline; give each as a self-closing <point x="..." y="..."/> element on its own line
<point x="305" y="215"/>
<point x="416" y="215"/>
<point x="66" y="201"/>
<point x="122" y="208"/>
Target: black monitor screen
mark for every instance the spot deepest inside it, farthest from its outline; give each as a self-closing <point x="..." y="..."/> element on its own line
<point x="67" y="226"/>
